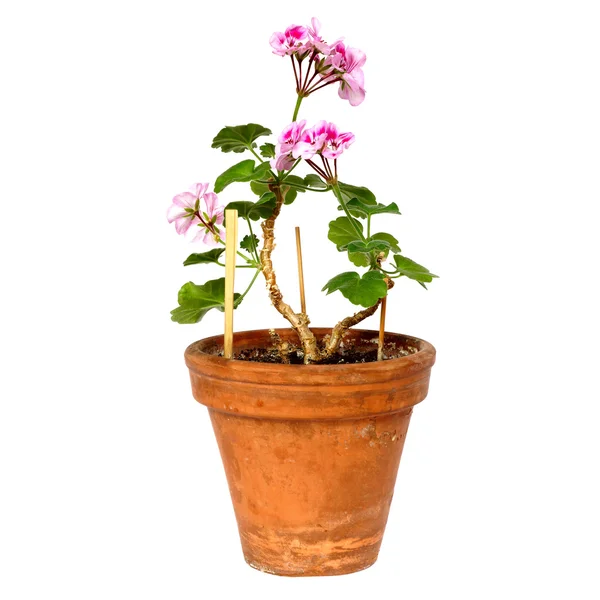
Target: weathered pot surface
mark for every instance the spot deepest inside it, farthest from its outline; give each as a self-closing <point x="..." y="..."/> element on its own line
<point x="311" y="452"/>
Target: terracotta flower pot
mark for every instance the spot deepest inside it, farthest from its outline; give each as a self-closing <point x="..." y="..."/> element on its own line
<point x="311" y="452"/>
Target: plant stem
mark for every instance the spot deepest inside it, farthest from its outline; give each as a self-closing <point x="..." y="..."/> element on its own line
<point x="295" y="74"/>
<point x="240" y="254"/>
<point x="254" y="250"/>
<point x="237" y="302"/>
<point x="300" y="321"/>
<point x="293" y="167"/>
<point x="305" y="187"/>
<point x="297" y="107"/>
<point x="368" y="226"/>
<point x="338" y="194"/>
<point x="261" y="161"/>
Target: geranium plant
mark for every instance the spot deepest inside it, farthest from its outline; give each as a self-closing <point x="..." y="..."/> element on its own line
<point x="273" y="175"/>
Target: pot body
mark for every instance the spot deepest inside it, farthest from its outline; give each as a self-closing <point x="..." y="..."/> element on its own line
<point x="311" y="452"/>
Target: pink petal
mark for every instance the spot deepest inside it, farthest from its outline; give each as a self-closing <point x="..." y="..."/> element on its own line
<point x="198" y="189"/>
<point x="296" y="32"/>
<point x="316" y="26"/>
<point x="174" y="212"/>
<point x="211" y="203"/>
<point x="355" y="58"/>
<point x="305" y="150"/>
<point x="185" y="200"/>
<point x="277" y="40"/>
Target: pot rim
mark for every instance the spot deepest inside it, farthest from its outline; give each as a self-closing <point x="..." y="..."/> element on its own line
<point x="298" y="392"/>
<point x="195" y="353"/>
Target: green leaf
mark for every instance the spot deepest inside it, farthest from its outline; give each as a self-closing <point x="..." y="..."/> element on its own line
<point x="196" y="300"/>
<point x="187" y="315"/>
<point x="341" y="232"/>
<point x="294" y="179"/>
<point x="262" y="209"/>
<point x="359" y="259"/>
<point x="361" y="193"/>
<point x="212" y="256"/>
<point x="259" y="188"/>
<point x="314" y="181"/>
<point x="249" y="243"/>
<point x="290" y="193"/>
<point x="382" y="242"/>
<point x="364" y="291"/>
<point x="387" y="237"/>
<point x="268" y="150"/>
<point x="242" y="171"/>
<point x="409" y="268"/>
<point x="360" y="209"/>
<point x="373" y="245"/>
<point x="239" y="138"/>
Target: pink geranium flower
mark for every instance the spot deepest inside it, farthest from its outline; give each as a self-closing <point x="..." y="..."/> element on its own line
<point x="290" y="42"/>
<point x="197" y="207"/>
<point x="288" y="138"/>
<point x="311" y="141"/>
<point x="349" y="62"/>
<point x="315" y="40"/>
<point x="325" y="139"/>
<point x="335" y="142"/>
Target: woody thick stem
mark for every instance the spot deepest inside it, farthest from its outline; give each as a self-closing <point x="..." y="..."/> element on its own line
<point x="298" y="321"/>
<point x="337" y="333"/>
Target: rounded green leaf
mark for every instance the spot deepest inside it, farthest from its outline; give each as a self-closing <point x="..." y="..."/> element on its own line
<point x="341" y="232"/>
<point x="239" y="138"/>
<point x="211" y="256"/>
<point x="242" y="171"/>
<point x="363" y="291"/>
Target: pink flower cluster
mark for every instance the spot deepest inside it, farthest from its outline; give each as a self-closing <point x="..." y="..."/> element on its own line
<point x="296" y="142"/>
<point x="197" y="207"/>
<point x="331" y="62"/>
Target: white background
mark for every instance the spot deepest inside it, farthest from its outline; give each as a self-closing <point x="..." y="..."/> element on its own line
<point x="482" y="121"/>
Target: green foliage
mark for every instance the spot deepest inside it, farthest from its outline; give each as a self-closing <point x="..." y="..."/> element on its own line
<point x="359" y="259"/>
<point x="371" y="246"/>
<point x="196" y="300"/>
<point x="239" y="138"/>
<point x="212" y="256"/>
<point x="242" y="171"/>
<point x="363" y="194"/>
<point x="341" y="232"/>
<point x="409" y="268"/>
<point x="261" y="209"/>
<point x="359" y="209"/>
<point x="358" y="251"/>
<point x="363" y="291"/>
<point x="259" y="188"/>
<point x="389" y="238"/>
<point x="249" y="242"/>
<point x="292" y="192"/>
<point x="314" y="181"/>
<point x="267" y="150"/>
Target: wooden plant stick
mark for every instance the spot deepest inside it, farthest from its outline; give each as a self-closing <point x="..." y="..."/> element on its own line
<point x="381" y="328"/>
<point x="300" y="272"/>
<point x="231" y="217"/>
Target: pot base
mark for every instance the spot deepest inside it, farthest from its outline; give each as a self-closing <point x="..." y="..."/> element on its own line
<point x="326" y="571"/>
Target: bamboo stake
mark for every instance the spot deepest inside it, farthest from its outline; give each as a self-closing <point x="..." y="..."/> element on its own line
<point x="300" y="272"/>
<point x="231" y="217"/>
<point x="381" y="328"/>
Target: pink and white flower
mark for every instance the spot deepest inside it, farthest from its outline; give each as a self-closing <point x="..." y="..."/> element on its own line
<point x="315" y="40"/>
<point x="349" y="62"/>
<point x="197" y="207"/>
<point x="290" y="42"/>
<point x="325" y="139"/>
<point x="288" y="138"/>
